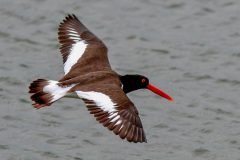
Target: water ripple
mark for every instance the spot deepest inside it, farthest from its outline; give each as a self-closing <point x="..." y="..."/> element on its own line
<point x="228" y="81"/>
<point x="200" y="151"/>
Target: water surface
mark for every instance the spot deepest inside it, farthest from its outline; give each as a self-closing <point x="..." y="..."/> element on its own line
<point x="188" y="48"/>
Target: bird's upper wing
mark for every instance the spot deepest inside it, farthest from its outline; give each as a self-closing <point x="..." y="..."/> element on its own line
<point x="113" y="109"/>
<point x="81" y="50"/>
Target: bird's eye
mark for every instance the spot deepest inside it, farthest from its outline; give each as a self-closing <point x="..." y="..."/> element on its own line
<point x="143" y="80"/>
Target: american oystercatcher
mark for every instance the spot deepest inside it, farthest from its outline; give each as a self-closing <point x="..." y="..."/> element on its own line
<point x="88" y="76"/>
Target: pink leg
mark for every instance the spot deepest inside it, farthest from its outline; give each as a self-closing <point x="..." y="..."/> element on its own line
<point x="38" y="106"/>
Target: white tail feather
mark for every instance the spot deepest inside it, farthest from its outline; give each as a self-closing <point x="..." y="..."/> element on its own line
<point x="45" y="92"/>
<point x="55" y="90"/>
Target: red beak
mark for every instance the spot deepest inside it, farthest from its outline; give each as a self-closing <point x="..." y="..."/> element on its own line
<point x="159" y="92"/>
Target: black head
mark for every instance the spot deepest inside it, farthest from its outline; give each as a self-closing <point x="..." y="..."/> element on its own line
<point x="133" y="82"/>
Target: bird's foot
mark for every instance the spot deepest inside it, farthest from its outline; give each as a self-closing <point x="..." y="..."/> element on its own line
<point x="38" y="106"/>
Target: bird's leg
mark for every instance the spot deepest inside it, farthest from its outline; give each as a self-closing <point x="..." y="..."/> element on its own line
<point x="38" y="106"/>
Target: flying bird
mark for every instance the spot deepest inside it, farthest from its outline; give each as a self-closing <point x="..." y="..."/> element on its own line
<point x="89" y="76"/>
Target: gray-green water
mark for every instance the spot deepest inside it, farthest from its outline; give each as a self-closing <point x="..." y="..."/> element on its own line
<point x="191" y="49"/>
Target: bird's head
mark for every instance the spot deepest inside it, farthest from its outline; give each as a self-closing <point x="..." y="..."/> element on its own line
<point x="133" y="82"/>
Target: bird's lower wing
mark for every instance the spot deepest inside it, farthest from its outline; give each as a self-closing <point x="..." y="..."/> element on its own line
<point x="114" y="110"/>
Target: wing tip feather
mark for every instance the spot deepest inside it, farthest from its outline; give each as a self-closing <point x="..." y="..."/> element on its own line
<point x="125" y="129"/>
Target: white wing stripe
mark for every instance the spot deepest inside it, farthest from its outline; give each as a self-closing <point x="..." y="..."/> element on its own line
<point x="90" y="104"/>
<point x="74" y="35"/>
<point x="72" y="31"/>
<point x="76" y="53"/>
<point x="75" y="39"/>
<point x="121" y="126"/>
<point x="112" y="115"/>
<point x="103" y="101"/>
<point x="115" y="119"/>
<point x="118" y="122"/>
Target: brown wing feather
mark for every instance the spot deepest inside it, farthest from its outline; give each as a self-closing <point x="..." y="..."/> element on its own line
<point x="126" y="129"/>
<point x="125" y="121"/>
